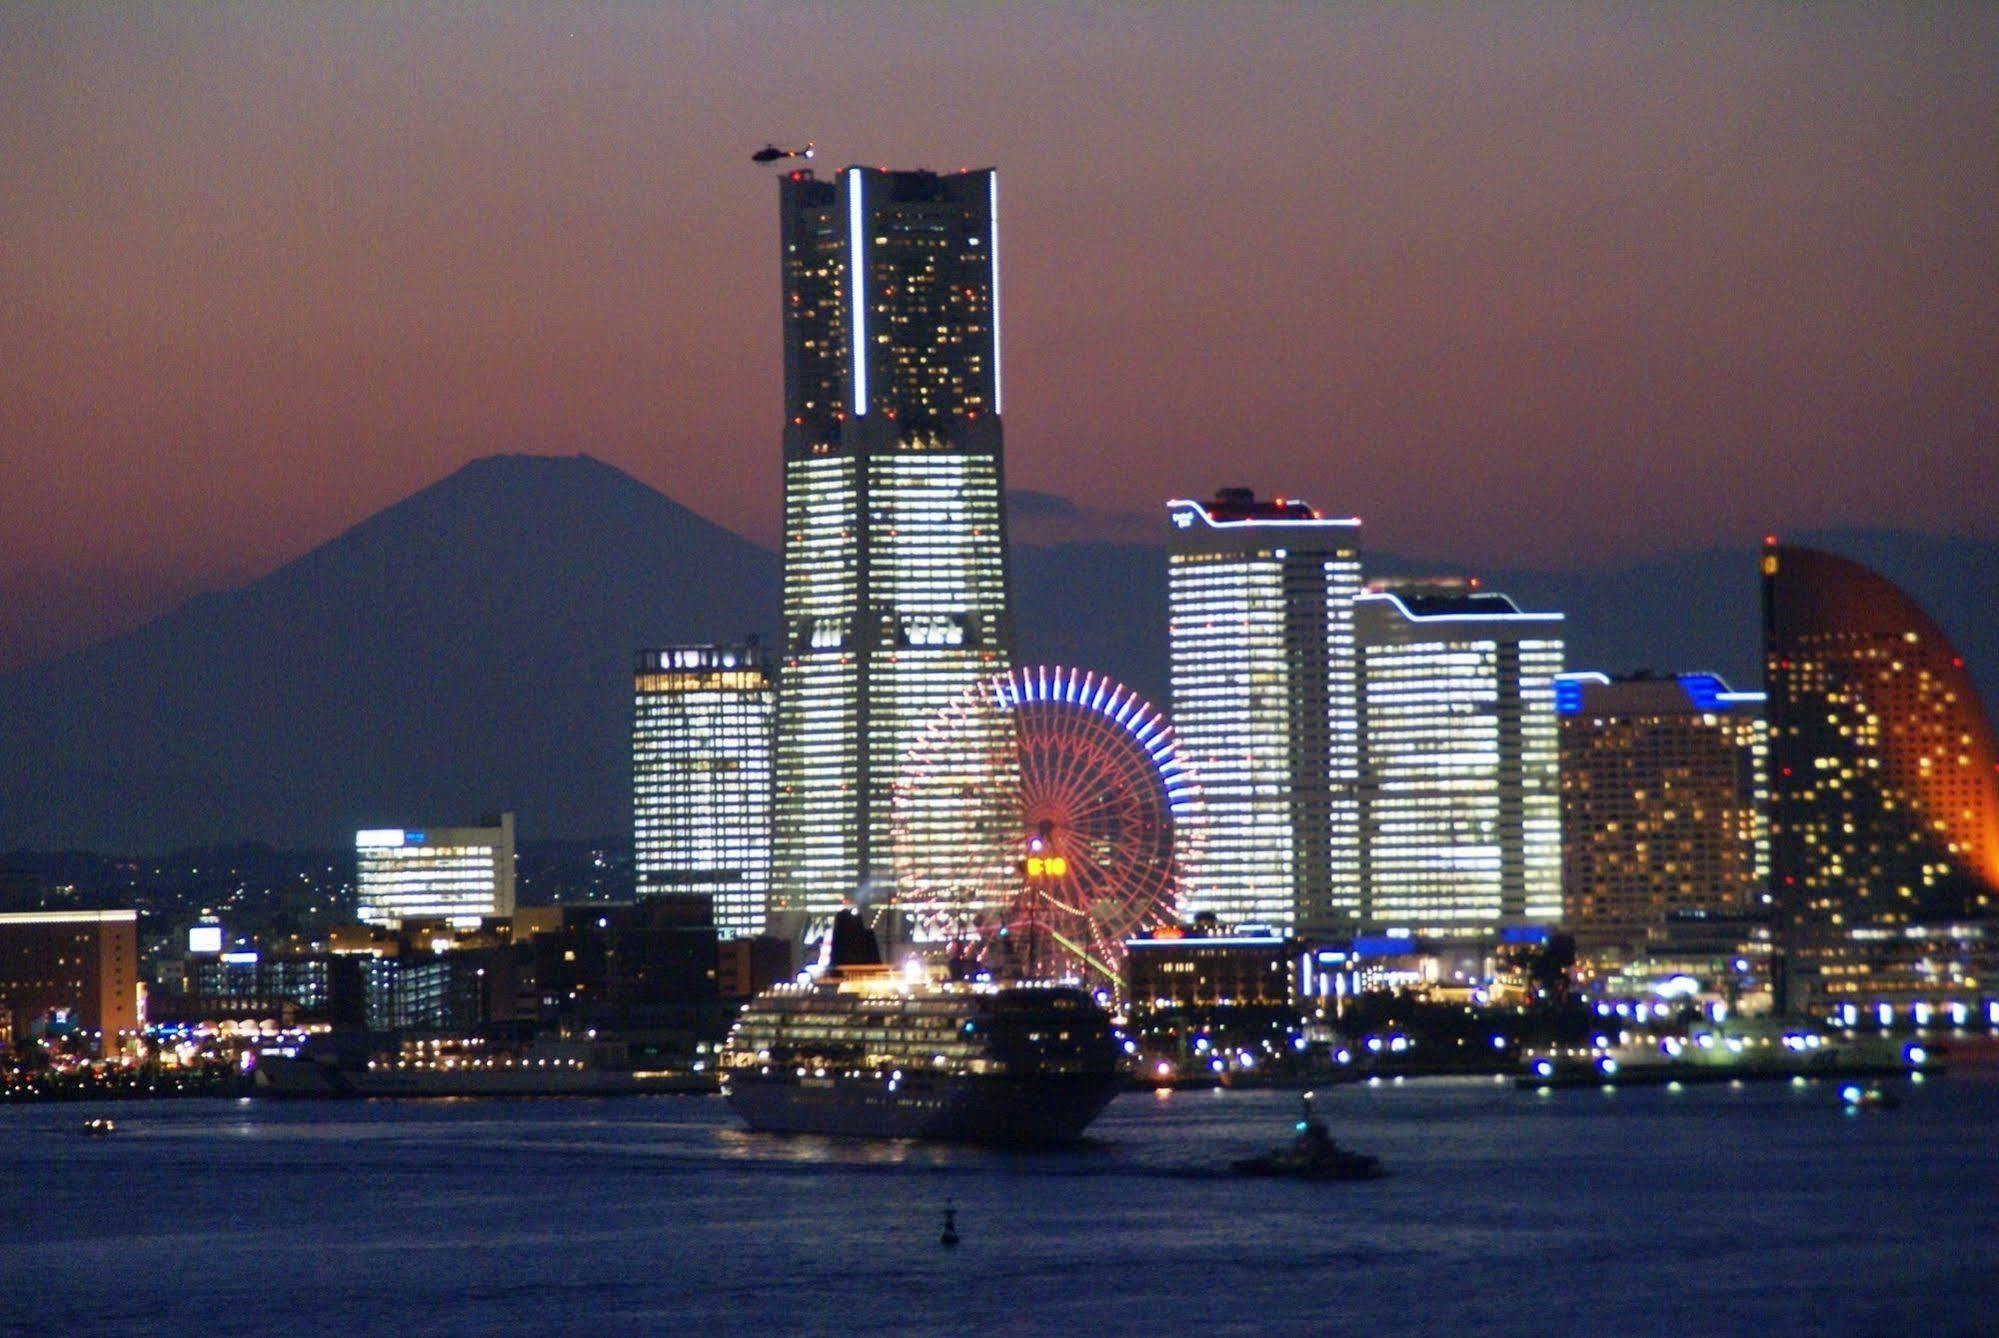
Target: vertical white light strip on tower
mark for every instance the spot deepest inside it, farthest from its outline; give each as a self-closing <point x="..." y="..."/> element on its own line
<point x="992" y="259"/>
<point x="856" y="255"/>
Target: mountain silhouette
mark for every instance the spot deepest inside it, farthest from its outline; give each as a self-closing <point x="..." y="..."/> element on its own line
<point x="469" y="649"/>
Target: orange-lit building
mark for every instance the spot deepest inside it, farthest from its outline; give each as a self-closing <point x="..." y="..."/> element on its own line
<point x="82" y="964"/>
<point x="1884" y="780"/>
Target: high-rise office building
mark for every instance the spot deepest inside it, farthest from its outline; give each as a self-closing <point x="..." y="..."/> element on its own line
<point x="701" y="779"/>
<point x="895" y="582"/>
<point x="458" y="874"/>
<point x="1663" y="784"/>
<point x="1262" y="659"/>
<point x="1884" y="790"/>
<point x="1460" y="814"/>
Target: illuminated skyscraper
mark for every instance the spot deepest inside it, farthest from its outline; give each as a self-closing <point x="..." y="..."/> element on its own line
<point x="460" y="874"/>
<point x="701" y="779"/>
<point x="1884" y="790"/>
<point x="1663" y="806"/>
<point x="1261" y="619"/>
<point x="895" y="582"/>
<point x="1460" y="815"/>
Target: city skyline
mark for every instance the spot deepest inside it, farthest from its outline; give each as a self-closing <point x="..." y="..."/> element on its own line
<point x="870" y="940"/>
<point x="1526" y="247"/>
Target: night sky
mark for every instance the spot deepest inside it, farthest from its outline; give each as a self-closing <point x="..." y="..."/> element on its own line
<point x="1518" y="287"/>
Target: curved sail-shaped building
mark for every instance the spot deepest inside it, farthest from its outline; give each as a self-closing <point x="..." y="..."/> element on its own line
<point x="1884" y="791"/>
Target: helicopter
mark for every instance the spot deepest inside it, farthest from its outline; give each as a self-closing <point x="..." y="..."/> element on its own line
<point x="771" y="153"/>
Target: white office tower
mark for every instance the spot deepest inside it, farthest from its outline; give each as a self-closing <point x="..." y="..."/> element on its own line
<point x="1262" y="652"/>
<point x="1460" y="804"/>
<point x="701" y="779"/>
<point x="459" y="874"/>
<point x="895" y="588"/>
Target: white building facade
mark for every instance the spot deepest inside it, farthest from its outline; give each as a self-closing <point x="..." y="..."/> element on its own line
<point x="459" y="874"/>
<point x="701" y="779"/>
<point x="1264" y="694"/>
<point x="1459" y="794"/>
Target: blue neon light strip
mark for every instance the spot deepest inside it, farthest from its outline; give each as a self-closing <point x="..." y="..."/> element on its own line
<point x="856" y="258"/>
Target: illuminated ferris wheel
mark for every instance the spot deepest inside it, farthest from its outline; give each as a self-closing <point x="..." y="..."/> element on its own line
<point x="1041" y="820"/>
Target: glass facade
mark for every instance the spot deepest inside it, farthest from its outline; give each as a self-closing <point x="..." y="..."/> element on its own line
<point x="1459" y="803"/>
<point x="895" y="589"/>
<point x="1262" y="660"/>
<point x="701" y="779"/>
<point x="459" y="874"/>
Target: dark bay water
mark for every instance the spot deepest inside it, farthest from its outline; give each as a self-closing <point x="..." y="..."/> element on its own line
<point x="1760" y="1209"/>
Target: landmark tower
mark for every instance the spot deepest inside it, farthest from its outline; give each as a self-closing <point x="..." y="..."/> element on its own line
<point x="895" y="579"/>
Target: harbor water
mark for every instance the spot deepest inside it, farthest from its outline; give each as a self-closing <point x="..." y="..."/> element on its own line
<point x="1761" y="1209"/>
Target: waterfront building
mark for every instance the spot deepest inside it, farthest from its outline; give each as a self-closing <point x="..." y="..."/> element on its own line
<point x="1262" y="659"/>
<point x="1664" y="791"/>
<point x="453" y="991"/>
<point x="895" y="582"/>
<point x="1884" y="791"/>
<point x="701" y="779"/>
<point x="70" y="972"/>
<point x="627" y="966"/>
<point x="1459" y="807"/>
<point x="456" y="874"/>
<point x="1173" y="969"/>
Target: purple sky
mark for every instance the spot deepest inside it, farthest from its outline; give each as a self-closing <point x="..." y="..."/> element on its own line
<point x="1517" y="286"/>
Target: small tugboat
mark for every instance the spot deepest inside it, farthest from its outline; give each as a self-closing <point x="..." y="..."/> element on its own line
<point x="1313" y="1155"/>
<point x="98" y="1127"/>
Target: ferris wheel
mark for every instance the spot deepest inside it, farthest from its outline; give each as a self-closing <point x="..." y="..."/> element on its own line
<point x="1041" y="820"/>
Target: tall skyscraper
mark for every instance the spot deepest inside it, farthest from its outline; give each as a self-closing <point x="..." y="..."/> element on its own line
<point x="701" y="779"/>
<point x="895" y="581"/>
<point x="1262" y="651"/>
<point x="1884" y="790"/>
<point x="1460" y="817"/>
<point x="1664" y="793"/>
<point x="459" y="874"/>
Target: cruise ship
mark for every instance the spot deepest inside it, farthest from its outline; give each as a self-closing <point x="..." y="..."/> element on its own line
<point x="867" y="1051"/>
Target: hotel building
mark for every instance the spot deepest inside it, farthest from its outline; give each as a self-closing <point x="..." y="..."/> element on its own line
<point x="1664" y="787"/>
<point x="1262" y="662"/>
<point x="701" y="779"/>
<point x="1460" y="813"/>
<point x="1884" y="792"/>
<point x="895" y="581"/>
<point x="73" y="968"/>
<point x="459" y="874"/>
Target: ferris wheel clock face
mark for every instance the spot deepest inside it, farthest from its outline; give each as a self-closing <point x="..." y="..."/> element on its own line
<point x="1041" y="820"/>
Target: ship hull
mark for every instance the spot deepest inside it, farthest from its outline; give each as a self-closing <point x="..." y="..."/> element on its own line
<point x="993" y="1109"/>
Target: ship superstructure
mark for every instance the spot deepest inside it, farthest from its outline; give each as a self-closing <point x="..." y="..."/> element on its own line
<point x="873" y="1052"/>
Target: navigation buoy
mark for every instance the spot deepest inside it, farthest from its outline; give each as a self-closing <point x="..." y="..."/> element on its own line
<point x="950" y="1236"/>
